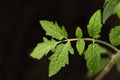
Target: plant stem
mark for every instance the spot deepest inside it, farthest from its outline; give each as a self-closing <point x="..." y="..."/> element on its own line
<point x="107" y="44"/>
<point x="91" y="39"/>
<point x="113" y="60"/>
<point x="102" y="42"/>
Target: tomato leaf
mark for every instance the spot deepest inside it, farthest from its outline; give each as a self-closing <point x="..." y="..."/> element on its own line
<point x="43" y="48"/>
<point x="94" y="26"/>
<point x="53" y="30"/>
<point x="117" y="10"/>
<point x="80" y="45"/>
<point x="114" y="36"/>
<point x="60" y="58"/>
<point x="78" y="32"/>
<point x="92" y="56"/>
<point x="109" y="7"/>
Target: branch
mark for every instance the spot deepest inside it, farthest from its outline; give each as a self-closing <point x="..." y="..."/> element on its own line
<point x="93" y="40"/>
<point x="113" y="60"/>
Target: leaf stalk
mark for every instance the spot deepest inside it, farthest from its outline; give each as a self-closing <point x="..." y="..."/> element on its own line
<point x="113" y="60"/>
<point x="93" y="40"/>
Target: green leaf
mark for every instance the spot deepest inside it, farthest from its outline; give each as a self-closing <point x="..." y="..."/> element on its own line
<point x="80" y="45"/>
<point x="92" y="56"/>
<point x="43" y="48"/>
<point x="53" y="30"/>
<point x="117" y="10"/>
<point x="109" y="8"/>
<point x="94" y="26"/>
<point x="70" y="48"/>
<point x="59" y="59"/>
<point x="78" y="32"/>
<point x="114" y="36"/>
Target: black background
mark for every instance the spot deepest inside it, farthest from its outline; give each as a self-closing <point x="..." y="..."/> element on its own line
<point x="20" y="31"/>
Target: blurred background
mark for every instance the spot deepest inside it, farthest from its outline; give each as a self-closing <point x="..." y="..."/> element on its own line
<point x="20" y="31"/>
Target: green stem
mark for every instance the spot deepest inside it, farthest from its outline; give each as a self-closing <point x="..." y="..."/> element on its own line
<point x="107" y="68"/>
<point x="113" y="60"/>
<point x="107" y="44"/>
<point x="91" y="39"/>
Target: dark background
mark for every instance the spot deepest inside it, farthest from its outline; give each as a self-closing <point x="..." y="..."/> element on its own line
<point x="20" y="31"/>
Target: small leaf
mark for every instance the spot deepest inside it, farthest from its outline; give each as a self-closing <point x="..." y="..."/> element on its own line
<point x="53" y="30"/>
<point x="109" y="8"/>
<point x="78" y="32"/>
<point x="114" y="36"/>
<point x="117" y="10"/>
<point x="71" y="50"/>
<point x="94" y="26"/>
<point x="92" y="56"/>
<point x="43" y="48"/>
<point x="80" y="45"/>
<point x="59" y="59"/>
